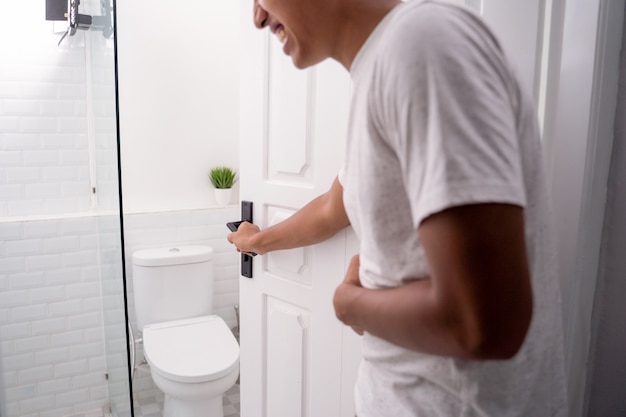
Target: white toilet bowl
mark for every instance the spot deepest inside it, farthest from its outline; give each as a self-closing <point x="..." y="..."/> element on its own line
<point x="194" y="362"/>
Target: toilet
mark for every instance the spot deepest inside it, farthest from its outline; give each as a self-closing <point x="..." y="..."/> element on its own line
<point x="193" y="355"/>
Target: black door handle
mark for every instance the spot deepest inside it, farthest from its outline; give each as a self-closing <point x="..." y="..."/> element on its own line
<point x="246" y="216"/>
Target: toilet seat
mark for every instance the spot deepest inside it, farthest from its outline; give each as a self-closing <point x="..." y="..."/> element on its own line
<point x="200" y="349"/>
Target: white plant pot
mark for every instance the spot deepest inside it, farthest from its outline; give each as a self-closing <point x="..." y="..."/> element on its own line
<point x="223" y="195"/>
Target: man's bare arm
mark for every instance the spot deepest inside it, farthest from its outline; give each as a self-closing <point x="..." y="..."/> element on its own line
<point x="477" y="303"/>
<point x="319" y="220"/>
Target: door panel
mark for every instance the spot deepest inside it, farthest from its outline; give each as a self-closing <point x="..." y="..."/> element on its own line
<point x="288" y="143"/>
<point x="519" y="26"/>
<point x="289" y="264"/>
<point x="287" y="358"/>
<point x="293" y="132"/>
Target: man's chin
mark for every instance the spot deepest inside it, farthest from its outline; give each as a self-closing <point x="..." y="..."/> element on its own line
<point x="298" y="65"/>
<point x="303" y="64"/>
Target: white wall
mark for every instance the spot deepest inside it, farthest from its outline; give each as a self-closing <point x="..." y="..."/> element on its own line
<point x="179" y="90"/>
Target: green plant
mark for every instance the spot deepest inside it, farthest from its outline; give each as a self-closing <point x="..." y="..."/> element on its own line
<point x="223" y="177"/>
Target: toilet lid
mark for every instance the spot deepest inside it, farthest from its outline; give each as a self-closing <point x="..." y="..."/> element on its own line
<point x="191" y="350"/>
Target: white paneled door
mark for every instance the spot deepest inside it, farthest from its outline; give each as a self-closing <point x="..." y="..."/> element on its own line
<point x="297" y="359"/>
<point x="293" y="129"/>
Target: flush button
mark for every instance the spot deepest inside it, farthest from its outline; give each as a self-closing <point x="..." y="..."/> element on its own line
<point x="174" y="250"/>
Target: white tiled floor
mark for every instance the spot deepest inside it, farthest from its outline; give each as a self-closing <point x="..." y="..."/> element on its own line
<point x="91" y="413"/>
<point x="152" y="407"/>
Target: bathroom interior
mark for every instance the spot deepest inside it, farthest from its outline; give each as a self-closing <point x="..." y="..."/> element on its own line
<point x="107" y="135"/>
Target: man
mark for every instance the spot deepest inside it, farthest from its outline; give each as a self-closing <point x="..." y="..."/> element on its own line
<point x="454" y="289"/>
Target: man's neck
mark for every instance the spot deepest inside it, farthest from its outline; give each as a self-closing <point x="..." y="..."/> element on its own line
<point x="360" y="19"/>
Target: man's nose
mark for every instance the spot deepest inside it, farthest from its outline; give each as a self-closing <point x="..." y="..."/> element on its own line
<point x="260" y="15"/>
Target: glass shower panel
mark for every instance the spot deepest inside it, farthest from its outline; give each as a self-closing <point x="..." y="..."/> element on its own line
<point x="101" y="85"/>
<point x="63" y="349"/>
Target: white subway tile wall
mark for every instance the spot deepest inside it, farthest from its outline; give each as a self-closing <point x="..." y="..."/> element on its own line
<point x="44" y="143"/>
<point x="52" y="350"/>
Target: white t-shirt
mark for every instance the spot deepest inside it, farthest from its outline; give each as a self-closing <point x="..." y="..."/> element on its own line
<point x="439" y="120"/>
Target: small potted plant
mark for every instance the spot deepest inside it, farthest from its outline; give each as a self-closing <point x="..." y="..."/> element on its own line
<point x="223" y="179"/>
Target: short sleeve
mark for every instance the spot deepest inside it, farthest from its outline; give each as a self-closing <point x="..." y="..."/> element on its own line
<point x="450" y="114"/>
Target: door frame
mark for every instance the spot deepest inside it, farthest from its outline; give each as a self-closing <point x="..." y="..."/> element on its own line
<point x="581" y="77"/>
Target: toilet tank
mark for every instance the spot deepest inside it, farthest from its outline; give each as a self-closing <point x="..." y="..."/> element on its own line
<point x="172" y="283"/>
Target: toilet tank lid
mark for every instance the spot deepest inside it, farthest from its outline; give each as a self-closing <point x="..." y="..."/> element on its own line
<point x="175" y="255"/>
